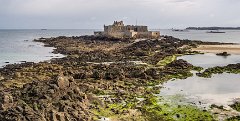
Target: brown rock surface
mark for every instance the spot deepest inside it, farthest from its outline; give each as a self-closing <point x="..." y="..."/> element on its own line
<point x="69" y="88"/>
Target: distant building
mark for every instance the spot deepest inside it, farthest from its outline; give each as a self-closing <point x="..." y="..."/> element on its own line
<point x="118" y="30"/>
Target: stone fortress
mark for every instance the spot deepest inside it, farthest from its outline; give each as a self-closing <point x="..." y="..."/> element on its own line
<point x="119" y="30"/>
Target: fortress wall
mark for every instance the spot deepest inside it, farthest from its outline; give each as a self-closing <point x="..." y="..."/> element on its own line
<point x="143" y="35"/>
<point x="141" y="28"/>
<point x="112" y="28"/>
<point x="131" y="34"/>
<point x="116" y="34"/>
<point x="155" y="34"/>
<point x="119" y="30"/>
<point x="148" y="34"/>
<point x="137" y="28"/>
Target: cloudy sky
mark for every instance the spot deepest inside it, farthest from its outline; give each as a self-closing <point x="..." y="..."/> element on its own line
<point x="92" y="14"/>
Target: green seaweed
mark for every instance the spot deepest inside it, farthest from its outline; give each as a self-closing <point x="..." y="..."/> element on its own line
<point x="197" y="68"/>
<point x="236" y="106"/>
<point x="216" y="106"/>
<point x="182" y="75"/>
<point x="218" y="70"/>
<point x="153" y="110"/>
<point x="167" y="60"/>
<point x="191" y="113"/>
<point x="235" y="118"/>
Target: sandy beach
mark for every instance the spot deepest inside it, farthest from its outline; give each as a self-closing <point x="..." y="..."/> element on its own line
<point x="231" y="48"/>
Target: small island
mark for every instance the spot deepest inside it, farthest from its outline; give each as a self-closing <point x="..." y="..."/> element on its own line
<point x="104" y="78"/>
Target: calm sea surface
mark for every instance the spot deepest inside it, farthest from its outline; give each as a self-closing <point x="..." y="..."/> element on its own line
<point x="17" y="45"/>
<point x="232" y="36"/>
<point x="220" y="89"/>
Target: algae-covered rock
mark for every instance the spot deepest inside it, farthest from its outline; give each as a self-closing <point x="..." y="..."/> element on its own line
<point x="231" y="68"/>
<point x="99" y="76"/>
<point x="113" y="73"/>
<point x="180" y="64"/>
<point x="62" y="82"/>
<point x="236" y="106"/>
<point x="223" y="54"/>
<point x="6" y="100"/>
<point x="1" y="78"/>
<point x="35" y="102"/>
<point x="235" y="118"/>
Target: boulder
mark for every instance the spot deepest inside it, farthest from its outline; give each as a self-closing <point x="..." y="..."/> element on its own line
<point x="113" y="73"/>
<point x="1" y="78"/>
<point x="6" y="101"/>
<point x="81" y="75"/>
<point x="62" y="82"/>
<point x="57" y="116"/>
<point x="17" y="74"/>
<point x="223" y="54"/>
<point x="180" y="64"/>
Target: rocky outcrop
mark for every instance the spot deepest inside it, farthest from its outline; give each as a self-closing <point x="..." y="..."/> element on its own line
<point x="56" y="100"/>
<point x="63" y="82"/>
<point x="180" y="64"/>
<point x="68" y="88"/>
<point x="223" y="54"/>
<point x="6" y="100"/>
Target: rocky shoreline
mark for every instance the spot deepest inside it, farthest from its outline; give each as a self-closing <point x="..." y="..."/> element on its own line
<point x="99" y="78"/>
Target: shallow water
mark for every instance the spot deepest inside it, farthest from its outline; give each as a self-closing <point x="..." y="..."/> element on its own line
<point x="17" y="45"/>
<point x="210" y="60"/>
<point x="221" y="89"/>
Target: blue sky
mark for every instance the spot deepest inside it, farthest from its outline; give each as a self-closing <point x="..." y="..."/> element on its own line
<point x="92" y="14"/>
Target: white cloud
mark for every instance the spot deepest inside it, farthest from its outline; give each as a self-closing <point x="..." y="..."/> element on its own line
<point x="95" y="13"/>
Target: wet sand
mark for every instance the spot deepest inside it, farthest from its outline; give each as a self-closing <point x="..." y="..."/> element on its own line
<point x="231" y="48"/>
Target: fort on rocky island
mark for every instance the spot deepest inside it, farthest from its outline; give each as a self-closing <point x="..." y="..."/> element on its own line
<point x="119" y="30"/>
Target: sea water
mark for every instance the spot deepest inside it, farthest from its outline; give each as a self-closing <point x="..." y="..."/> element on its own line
<point x="18" y="45"/>
<point x="220" y="89"/>
<point x="231" y="36"/>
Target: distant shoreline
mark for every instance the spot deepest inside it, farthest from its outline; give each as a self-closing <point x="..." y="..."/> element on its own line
<point x="229" y="48"/>
<point x="213" y="28"/>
